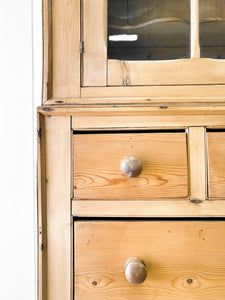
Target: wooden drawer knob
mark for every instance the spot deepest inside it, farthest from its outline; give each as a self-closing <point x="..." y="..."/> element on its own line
<point x="135" y="270"/>
<point x="131" y="166"/>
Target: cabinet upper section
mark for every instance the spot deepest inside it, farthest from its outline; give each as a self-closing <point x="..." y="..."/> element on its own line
<point x="96" y="48"/>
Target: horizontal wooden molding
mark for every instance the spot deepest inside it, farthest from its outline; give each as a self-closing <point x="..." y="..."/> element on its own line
<point x="168" y="72"/>
<point x="154" y="208"/>
<point x="178" y="92"/>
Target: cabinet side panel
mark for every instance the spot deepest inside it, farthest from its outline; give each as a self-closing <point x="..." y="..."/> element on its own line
<point x="58" y="204"/>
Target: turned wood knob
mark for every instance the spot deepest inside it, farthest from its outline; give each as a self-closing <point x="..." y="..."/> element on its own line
<point x="131" y="166"/>
<point x="135" y="270"/>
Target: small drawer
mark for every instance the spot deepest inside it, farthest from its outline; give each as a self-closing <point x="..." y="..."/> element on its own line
<point x="216" y="159"/>
<point x="104" y="162"/>
<point x="163" y="260"/>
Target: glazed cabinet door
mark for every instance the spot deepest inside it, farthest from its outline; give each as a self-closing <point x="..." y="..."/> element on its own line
<point x="139" y="43"/>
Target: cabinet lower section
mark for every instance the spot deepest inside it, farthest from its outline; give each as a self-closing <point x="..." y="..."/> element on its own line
<point x="183" y="259"/>
<point x="80" y="178"/>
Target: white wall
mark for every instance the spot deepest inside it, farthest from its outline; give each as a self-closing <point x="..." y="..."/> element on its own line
<point x="18" y="98"/>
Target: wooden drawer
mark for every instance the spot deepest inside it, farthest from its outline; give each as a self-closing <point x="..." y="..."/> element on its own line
<point x="216" y="158"/>
<point x="184" y="260"/>
<point x="97" y="159"/>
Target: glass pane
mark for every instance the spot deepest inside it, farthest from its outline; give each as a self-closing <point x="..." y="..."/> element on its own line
<point x="148" y="29"/>
<point x="212" y="28"/>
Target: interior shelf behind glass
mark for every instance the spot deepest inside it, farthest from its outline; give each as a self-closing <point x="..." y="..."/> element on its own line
<point x="148" y="29"/>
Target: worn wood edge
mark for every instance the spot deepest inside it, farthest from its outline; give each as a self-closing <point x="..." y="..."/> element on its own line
<point x="127" y="101"/>
<point x="197" y="163"/>
<point x="41" y="211"/>
<point x="117" y="119"/>
<point x="151" y="109"/>
<point x="47" y="50"/>
<point x="156" y="208"/>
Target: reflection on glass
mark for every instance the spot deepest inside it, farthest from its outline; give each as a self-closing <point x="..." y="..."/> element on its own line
<point x="212" y="28"/>
<point x="148" y="29"/>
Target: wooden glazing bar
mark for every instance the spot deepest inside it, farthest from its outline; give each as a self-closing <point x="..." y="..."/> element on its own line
<point x="195" y="48"/>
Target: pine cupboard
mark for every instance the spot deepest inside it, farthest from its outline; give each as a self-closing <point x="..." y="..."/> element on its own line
<point x="131" y="193"/>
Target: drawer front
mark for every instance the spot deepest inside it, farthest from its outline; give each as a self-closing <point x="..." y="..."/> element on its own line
<point x="97" y="166"/>
<point x="216" y="154"/>
<point x="183" y="260"/>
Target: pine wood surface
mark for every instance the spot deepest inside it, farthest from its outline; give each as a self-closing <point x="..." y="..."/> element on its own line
<point x="169" y="72"/>
<point x="185" y="260"/>
<point x="95" y="43"/>
<point x="178" y="93"/>
<point x="58" y="208"/>
<point x="183" y="94"/>
<point x="216" y="155"/>
<point x="88" y="92"/>
<point x="197" y="163"/>
<point x="154" y="208"/>
<point x="63" y="75"/>
<point x="66" y="48"/>
<point x="97" y="159"/>
<point x="194" y="43"/>
<point x="144" y="122"/>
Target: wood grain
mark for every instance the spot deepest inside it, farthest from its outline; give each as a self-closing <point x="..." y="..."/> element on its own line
<point x="97" y="173"/>
<point x="141" y="121"/>
<point x="195" y="47"/>
<point x="95" y="42"/>
<point x="185" y="260"/>
<point x="197" y="163"/>
<point x="66" y="48"/>
<point x="178" y="93"/>
<point x="154" y="208"/>
<point x="58" y="207"/>
<point x="216" y="157"/>
<point x="183" y="71"/>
